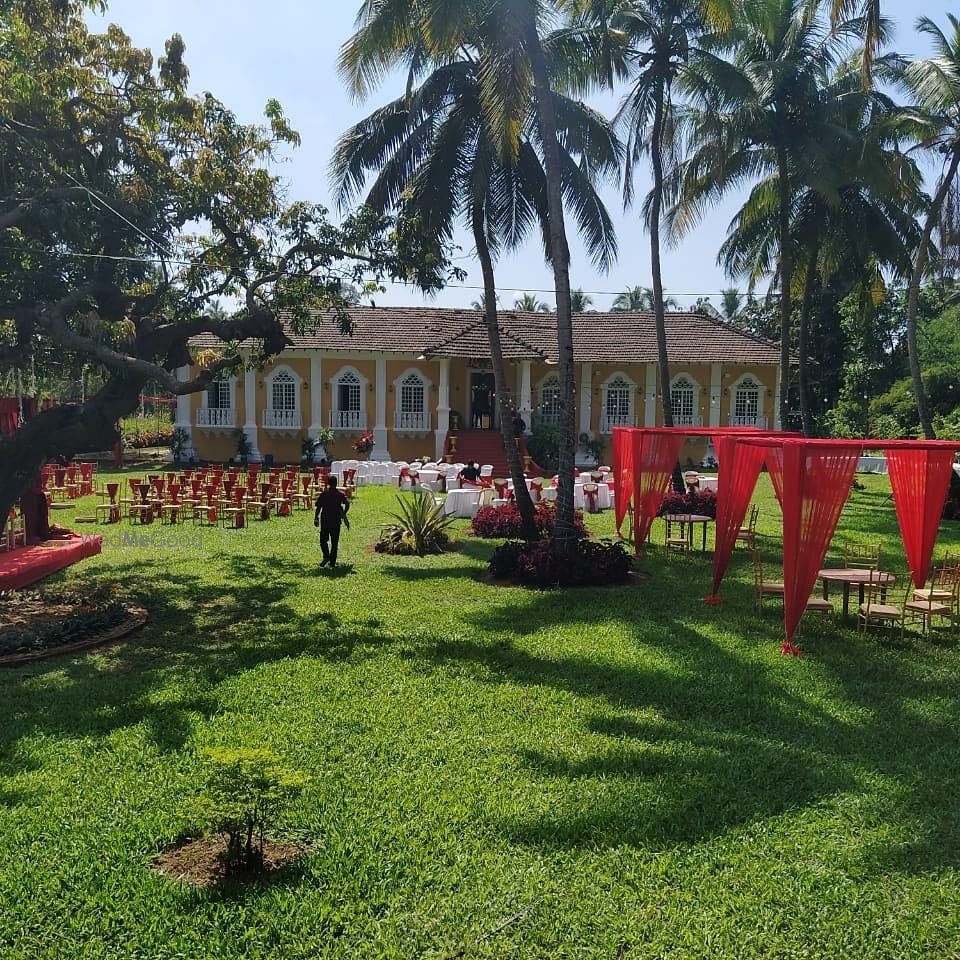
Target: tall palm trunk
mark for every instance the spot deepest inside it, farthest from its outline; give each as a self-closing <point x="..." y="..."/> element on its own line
<point x="504" y="393"/>
<point x="913" y="294"/>
<point x="656" y="156"/>
<point x="564" y="535"/>
<point x="786" y="280"/>
<point x="802" y="339"/>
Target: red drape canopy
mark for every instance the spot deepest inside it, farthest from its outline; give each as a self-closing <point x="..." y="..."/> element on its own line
<point x="655" y="454"/>
<point x="622" y="472"/>
<point x="920" y="477"/>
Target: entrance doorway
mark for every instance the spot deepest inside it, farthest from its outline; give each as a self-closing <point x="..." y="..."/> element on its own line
<point x="483" y="401"/>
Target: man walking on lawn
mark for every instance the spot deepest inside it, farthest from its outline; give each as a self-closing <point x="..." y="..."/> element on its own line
<point x="332" y="507"/>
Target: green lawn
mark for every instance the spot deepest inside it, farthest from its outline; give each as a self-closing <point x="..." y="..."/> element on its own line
<point x="624" y="772"/>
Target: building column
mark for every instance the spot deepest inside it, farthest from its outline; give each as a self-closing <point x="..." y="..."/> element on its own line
<point x="586" y="398"/>
<point x="250" y="413"/>
<point x="777" y="425"/>
<point x="443" y="408"/>
<point x="526" y="397"/>
<point x="650" y="396"/>
<point x="716" y="392"/>
<point x="380" y="451"/>
<point x="316" y="403"/>
<point x="182" y="421"/>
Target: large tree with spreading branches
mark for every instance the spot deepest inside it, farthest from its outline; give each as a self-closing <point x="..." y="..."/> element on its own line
<point x="129" y="208"/>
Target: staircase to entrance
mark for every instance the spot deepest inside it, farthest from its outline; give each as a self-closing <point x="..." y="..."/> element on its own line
<point x="486" y="446"/>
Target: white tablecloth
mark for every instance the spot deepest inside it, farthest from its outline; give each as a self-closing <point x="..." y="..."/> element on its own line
<point x="604" y="497"/>
<point x="708" y="483"/>
<point x="872" y="465"/>
<point x="460" y="503"/>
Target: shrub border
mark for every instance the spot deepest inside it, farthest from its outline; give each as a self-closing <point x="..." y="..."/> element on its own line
<point x="136" y="618"/>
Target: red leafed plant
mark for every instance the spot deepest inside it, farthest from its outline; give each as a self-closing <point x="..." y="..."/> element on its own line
<point x="702" y="502"/>
<point x="504" y="521"/>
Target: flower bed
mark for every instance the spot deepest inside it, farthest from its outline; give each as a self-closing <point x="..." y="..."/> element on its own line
<point x="703" y="502"/>
<point x="504" y="521"/>
<point x="592" y="564"/>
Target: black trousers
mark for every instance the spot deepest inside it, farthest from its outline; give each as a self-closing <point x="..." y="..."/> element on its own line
<point x="329" y="541"/>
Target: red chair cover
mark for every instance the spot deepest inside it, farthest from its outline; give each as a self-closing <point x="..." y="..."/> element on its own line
<point x="652" y="469"/>
<point x="590" y="497"/>
<point x="816" y="484"/>
<point x="501" y="488"/>
<point x="622" y="473"/>
<point x="739" y="467"/>
<point x="920" y="479"/>
<point x="536" y="490"/>
<point x="404" y="473"/>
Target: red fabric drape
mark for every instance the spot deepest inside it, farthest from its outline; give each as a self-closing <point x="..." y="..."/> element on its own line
<point x="655" y="455"/>
<point x="622" y="473"/>
<point x="774" y="462"/>
<point x="739" y="467"/>
<point x="816" y="484"/>
<point x="920" y="478"/>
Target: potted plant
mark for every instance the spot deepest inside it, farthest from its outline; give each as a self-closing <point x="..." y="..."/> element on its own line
<point x="243" y="448"/>
<point x="313" y="445"/>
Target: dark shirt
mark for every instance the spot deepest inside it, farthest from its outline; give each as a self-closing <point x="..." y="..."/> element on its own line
<point x="470" y="473"/>
<point x="519" y="426"/>
<point x="332" y="507"/>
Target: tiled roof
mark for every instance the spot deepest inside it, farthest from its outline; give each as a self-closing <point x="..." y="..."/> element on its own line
<point x="597" y="337"/>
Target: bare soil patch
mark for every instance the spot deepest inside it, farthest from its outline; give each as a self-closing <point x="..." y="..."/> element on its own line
<point x="199" y="860"/>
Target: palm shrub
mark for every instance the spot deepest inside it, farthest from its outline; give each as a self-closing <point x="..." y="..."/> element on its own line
<point x="246" y="788"/>
<point x="419" y="527"/>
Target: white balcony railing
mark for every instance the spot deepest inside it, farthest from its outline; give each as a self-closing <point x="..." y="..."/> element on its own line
<point x="687" y="420"/>
<point x="755" y="421"/>
<point x="412" y="421"/>
<point x="608" y="422"/>
<point x="282" y="419"/>
<point x="223" y="418"/>
<point x="348" y="420"/>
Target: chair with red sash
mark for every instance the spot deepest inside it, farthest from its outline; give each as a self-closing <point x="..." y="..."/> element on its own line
<point x="172" y="508"/>
<point x="86" y="479"/>
<point x="536" y="489"/>
<point x="111" y="509"/>
<point x="503" y="492"/>
<point x="591" y="497"/>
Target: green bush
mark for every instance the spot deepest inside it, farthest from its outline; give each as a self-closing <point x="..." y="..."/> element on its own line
<point x="245" y="790"/>
<point x="544" y="446"/>
<point x="419" y="527"/>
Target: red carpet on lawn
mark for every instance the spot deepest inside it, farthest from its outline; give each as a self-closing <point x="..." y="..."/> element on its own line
<point x="26" y="565"/>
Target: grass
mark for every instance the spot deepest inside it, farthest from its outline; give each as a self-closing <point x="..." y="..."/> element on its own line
<point x="495" y="772"/>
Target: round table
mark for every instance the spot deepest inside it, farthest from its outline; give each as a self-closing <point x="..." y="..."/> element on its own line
<point x="687" y="522"/>
<point x="853" y="576"/>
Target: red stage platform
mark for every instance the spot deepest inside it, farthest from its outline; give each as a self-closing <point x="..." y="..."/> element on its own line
<point x="26" y="565"/>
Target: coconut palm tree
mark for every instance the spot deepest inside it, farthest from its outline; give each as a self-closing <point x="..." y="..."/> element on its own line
<point x="935" y="85"/>
<point x="854" y="208"/>
<point x="640" y="300"/>
<point x="730" y="303"/>
<point x="529" y="303"/>
<point x="580" y="301"/>
<point x="661" y="33"/>
<point x="748" y="117"/>
<point x="434" y="155"/>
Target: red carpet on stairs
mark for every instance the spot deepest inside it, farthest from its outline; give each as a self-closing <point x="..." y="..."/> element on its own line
<point x="486" y="446"/>
<point x="25" y="565"/>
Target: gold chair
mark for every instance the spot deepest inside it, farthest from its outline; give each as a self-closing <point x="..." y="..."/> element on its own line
<point x="861" y="556"/>
<point x="875" y="610"/>
<point x="762" y="587"/>
<point x="939" y="601"/>
<point x="748" y="534"/>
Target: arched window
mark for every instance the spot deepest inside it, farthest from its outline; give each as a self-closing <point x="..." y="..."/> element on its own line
<point x="412" y="412"/>
<point x="348" y="392"/>
<point x="617" y="403"/>
<point x="747" y="410"/>
<point x="348" y="408"/>
<point x="548" y="412"/>
<point x="683" y="402"/>
<point x="283" y="391"/>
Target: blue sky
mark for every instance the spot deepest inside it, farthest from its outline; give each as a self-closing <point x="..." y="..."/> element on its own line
<point x="245" y="52"/>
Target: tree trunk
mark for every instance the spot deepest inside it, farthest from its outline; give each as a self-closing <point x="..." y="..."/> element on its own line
<point x="802" y="347"/>
<point x="913" y="294"/>
<point x="656" y="157"/>
<point x="504" y="393"/>
<point x="63" y="430"/>
<point x="564" y="534"/>
<point x="786" y="279"/>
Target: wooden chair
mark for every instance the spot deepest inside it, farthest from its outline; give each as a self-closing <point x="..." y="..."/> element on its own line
<point x="15" y="532"/>
<point x="762" y="587"/>
<point x="940" y="602"/>
<point x="748" y="534"/>
<point x="678" y="542"/>
<point x="875" y="611"/>
<point x="861" y="556"/>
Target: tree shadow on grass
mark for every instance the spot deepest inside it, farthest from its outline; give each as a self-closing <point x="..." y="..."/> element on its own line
<point x="204" y="631"/>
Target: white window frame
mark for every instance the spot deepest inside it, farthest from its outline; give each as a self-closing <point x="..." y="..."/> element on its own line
<point x="335" y="410"/>
<point x="285" y="372"/>
<point x="427" y="385"/>
<point x="617" y="380"/>
<point x="752" y="383"/>
<point x="231" y="383"/>
<point x="553" y="420"/>
<point x="687" y="382"/>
